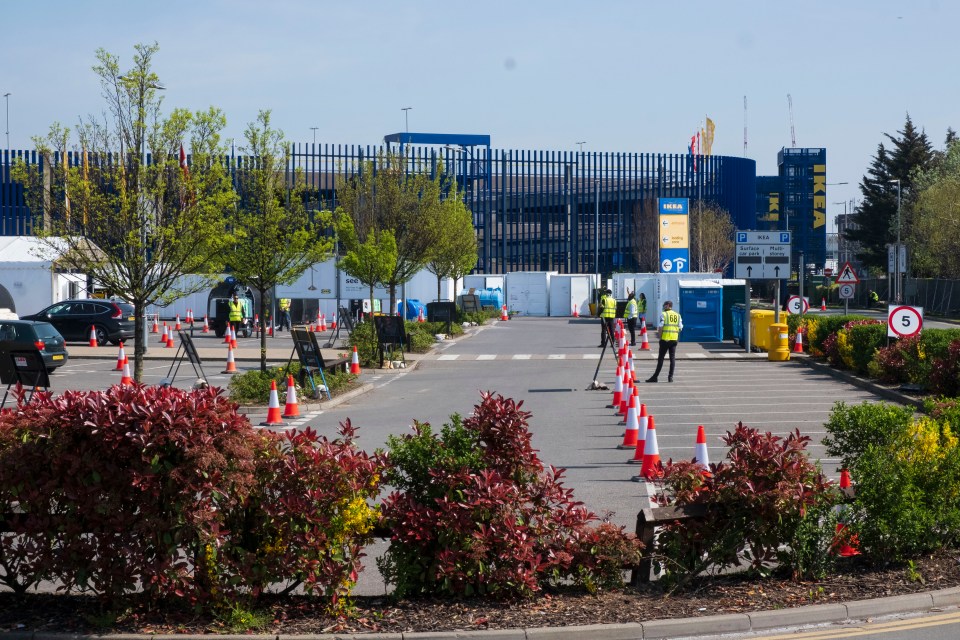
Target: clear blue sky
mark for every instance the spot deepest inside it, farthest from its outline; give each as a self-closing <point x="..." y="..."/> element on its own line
<point x="620" y="75"/>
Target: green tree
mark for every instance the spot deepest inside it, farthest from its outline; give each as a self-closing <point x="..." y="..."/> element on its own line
<point x="455" y="253"/>
<point x="391" y="196"/>
<point x="875" y="219"/>
<point x="711" y="237"/>
<point x="276" y="239"/>
<point x="133" y="226"/>
<point x="934" y="235"/>
<point x="369" y="261"/>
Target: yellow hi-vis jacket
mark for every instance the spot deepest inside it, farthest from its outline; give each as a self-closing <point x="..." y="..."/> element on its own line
<point x="608" y="307"/>
<point x="631" y="311"/>
<point x="670" y="330"/>
<point x="235" y="310"/>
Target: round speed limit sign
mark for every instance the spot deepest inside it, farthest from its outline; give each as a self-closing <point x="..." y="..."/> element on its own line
<point x="795" y="305"/>
<point x="903" y="321"/>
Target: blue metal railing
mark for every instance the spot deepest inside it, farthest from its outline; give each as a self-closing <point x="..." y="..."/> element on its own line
<point x="533" y="209"/>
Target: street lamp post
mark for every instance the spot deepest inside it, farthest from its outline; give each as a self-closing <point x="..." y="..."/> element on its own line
<point x="596" y="227"/>
<point x="406" y="118"/>
<point x="898" y="284"/>
<point x="314" y="129"/>
<point x="580" y="144"/>
<point x="6" y="97"/>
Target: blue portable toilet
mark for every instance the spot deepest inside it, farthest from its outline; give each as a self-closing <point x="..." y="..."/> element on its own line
<point x="701" y="307"/>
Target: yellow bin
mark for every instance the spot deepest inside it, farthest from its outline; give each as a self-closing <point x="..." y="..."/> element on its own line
<point x="779" y="342"/>
<point x="760" y="321"/>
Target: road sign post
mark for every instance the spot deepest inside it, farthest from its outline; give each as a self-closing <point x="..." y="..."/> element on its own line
<point x="847" y="292"/>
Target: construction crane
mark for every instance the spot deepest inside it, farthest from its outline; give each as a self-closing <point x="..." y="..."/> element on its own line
<point x="793" y="133"/>
<point x="744" y="126"/>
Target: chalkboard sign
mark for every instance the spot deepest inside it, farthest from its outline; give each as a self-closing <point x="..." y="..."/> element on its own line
<point x="25" y="366"/>
<point x="189" y="348"/>
<point x="470" y="303"/>
<point x="390" y="329"/>
<point x="390" y="332"/>
<point x="311" y="360"/>
<point x="346" y="319"/>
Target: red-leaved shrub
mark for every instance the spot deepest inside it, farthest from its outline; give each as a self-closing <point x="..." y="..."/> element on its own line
<point x="755" y="500"/>
<point x="120" y="489"/>
<point x="477" y="512"/>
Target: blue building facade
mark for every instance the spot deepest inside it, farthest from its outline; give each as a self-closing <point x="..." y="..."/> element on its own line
<point x="796" y="200"/>
<point x="571" y="212"/>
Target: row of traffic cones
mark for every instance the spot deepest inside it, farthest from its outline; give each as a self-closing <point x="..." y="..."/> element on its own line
<point x="640" y="427"/>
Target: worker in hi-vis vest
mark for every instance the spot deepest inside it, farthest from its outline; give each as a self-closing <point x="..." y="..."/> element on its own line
<point x="608" y="315"/>
<point x="235" y="311"/>
<point x="284" y="304"/>
<point x="671" y="324"/>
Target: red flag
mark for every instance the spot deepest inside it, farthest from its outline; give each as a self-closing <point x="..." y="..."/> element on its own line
<point x="693" y="151"/>
<point x="183" y="163"/>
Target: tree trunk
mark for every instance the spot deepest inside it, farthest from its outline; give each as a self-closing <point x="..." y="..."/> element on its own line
<point x="140" y="339"/>
<point x="263" y="330"/>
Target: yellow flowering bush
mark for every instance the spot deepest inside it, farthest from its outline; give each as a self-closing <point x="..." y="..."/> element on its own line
<point x="906" y="471"/>
<point x="309" y="519"/>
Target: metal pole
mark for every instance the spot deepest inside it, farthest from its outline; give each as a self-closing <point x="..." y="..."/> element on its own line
<point x="6" y="97"/>
<point x="406" y="118"/>
<point x="800" y="282"/>
<point x="596" y="227"/>
<point x="314" y="129"/>
<point x="896" y="257"/>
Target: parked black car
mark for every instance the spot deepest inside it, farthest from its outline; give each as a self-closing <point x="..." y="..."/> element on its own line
<point x="41" y="335"/>
<point x="112" y="321"/>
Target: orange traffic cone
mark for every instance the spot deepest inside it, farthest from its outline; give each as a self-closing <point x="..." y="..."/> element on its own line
<point x="206" y="324"/>
<point x="576" y="311"/>
<point x="125" y="377"/>
<point x="231" y="363"/>
<point x="333" y="321"/>
<point x="169" y="340"/>
<point x="798" y="343"/>
<point x="233" y="338"/>
<point x="503" y="313"/>
<point x="190" y="317"/>
<point x="627" y="392"/>
<point x="355" y="363"/>
<point x="269" y="329"/>
<point x="644" y="342"/>
<point x="323" y="322"/>
<point x="156" y="323"/>
<point x="121" y="358"/>
<point x="845" y="544"/>
<point x="700" y="451"/>
<point x="177" y="326"/>
<point x="256" y="324"/>
<point x="823" y="304"/>
<point x="291" y="409"/>
<point x="420" y="317"/>
<point x="93" y="336"/>
<point x="316" y="323"/>
<point x="226" y="334"/>
<point x="163" y="336"/>
<point x="632" y="433"/>
<point x="273" y="408"/>
<point x="652" y="468"/>
<point x="643" y="421"/>
<point x="618" y="388"/>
